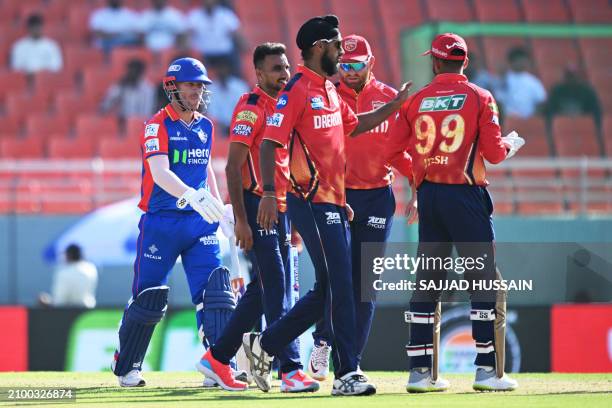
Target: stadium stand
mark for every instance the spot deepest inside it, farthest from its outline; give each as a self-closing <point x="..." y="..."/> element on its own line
<point x="54" y="117"/>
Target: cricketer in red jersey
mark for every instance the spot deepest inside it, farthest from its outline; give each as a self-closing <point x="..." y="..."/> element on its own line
<point x="368" y="181"/>
<point x="313" y="121"/>
<point x="267" y="250"/>
<point x="450" y="128"/>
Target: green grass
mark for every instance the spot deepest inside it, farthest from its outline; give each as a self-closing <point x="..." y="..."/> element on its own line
<point x="180" y="389"/>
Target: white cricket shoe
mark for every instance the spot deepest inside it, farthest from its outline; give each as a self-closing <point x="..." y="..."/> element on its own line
<point x="420" y="381"/>
<point x="260" y="362"/>
<point x="318" y="365"/>
<point x="487" y="380"/>
<point x="353" y="383"/>
<point x="132" y="379"/>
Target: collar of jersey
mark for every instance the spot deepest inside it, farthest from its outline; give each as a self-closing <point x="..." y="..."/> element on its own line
<point x="313" y="76"/>
<point x="175" y="116"/>
<point x="449" y="78"/>
<point x="263" y="93"/>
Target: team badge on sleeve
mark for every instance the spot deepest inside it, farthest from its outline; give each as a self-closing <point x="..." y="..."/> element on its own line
<point x="275" y="120"/>
<point x="151" y="130"/>
<point x="242" y="130"/>
<point x="152" y="145"/>
<point x="316" y="102"/>
<point x="246" y="116"/>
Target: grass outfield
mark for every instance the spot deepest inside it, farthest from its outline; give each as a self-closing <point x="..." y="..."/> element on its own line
<point x="180" y="389"/>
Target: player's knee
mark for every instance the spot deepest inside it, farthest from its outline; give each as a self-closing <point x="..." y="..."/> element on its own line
<point x="149" y="306"/>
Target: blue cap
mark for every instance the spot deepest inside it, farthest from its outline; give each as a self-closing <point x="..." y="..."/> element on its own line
<point x="188" y="70"/>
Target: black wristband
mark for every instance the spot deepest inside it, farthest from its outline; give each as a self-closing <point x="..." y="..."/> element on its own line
<point x="269" y="188"/>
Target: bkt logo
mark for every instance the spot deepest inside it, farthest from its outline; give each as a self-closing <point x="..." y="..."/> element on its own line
<point x="442" y="103"/>
<point x="190" y="156"/>
<point x="377" y="222"/>
<point x="333" y="218"/>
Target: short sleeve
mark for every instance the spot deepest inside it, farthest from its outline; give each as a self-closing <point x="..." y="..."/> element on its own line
<point x="247" y="122"/>
<point x="154" y="140"/>
<point x="289" y="108"/>
<point x="349" y="118"/>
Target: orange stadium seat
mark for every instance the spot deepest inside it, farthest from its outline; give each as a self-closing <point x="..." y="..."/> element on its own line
<point x="575" y="136"/>
<point x="11" y="126"/>
<point x="70" y="104"/>
<point x="78" y="21"/>
<point x="121" y="56"/>
<point x="12" y="82"/>
<point x="79" y="57"/>
<point x="48" y="84"/>
<point x="496" y="50"/>
<point x="549" y="11"/>
<point x="20" y="149"/>
<point x="71" y="195"/>
<point x="75" y="148"/>
<point x="40" y="125"/>
<point x="540" y="201"/>
<point x="96" y="81"/>
<point x="552" y="56"/>
<point x="20" y="105"/>
<point x="94" y="127"/>
<point x="591" y="11"/>
<point x="134" y="127"/>
<point x="297" y="13"/>
<point x="500" y="10"/>
<point x="449" y="10"/>
<point x="533" y="130"/>
<point x="119" y="149"/>
<point x="28" y="196"/>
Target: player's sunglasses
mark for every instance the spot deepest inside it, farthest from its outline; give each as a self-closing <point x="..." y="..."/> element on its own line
<point x="337" y="42"/>
<point x="355" y="66"/>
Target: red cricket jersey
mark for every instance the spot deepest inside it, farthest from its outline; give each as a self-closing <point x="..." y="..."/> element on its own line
<point x="247" y="127"/>
<point x="449" y="127"/>
<point x="366" y="164"/>
<point x="312" y="121"/>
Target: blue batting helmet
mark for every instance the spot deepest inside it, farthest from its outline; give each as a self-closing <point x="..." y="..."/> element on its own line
<point x="187" y="70"/>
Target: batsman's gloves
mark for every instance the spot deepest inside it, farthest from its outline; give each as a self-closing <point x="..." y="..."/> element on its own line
<point x="227" y="222"/>
<point x="209" y="207"/>
<point x="513" y="142"/>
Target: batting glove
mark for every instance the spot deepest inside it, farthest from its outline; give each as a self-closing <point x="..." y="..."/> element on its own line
<point x="227" y="223"/>
<point x="513" y="142"/>
<point x="209" y="207"/>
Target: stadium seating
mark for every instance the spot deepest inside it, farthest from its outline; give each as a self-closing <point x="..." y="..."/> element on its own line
<point x="56" y="115"/>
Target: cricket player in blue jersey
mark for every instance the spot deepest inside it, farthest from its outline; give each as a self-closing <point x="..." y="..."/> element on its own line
<point x="182" y="212"/>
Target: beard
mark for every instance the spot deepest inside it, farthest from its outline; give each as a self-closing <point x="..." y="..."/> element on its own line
<point x="328" y="65"/>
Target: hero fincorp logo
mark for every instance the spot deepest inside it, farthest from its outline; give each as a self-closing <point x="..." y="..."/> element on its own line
<point x="190" y="156"/>
<point x="327" y="121"/>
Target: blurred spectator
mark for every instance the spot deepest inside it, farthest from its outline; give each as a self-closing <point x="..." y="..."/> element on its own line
<point x="521" y="93"/>
<point x="573" y="96"/>
<point x="216" y="33"/>
<point x="480" y="76"/>
<point x="114" y="25"/>
<point x="162" y="26"/>
<point x="133" y="95"/>
<point x="226" y="90"/>
<point x="74" y="282"/>
<point x="35" y="52"/>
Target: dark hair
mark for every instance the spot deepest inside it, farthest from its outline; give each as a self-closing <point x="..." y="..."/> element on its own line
<point x="517" y="52"/>
<point x="306" y="53"/>
<point x="265" y="49"/>
<point x="34" y="19"/>
<point x="452" y="65"/>
<point x="73" y="253"/>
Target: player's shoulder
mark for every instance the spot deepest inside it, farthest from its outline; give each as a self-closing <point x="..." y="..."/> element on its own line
<point x="297" y="83"/>
<point x="155" y="123"/>
<point x="384" y="89"/>
<point x="482" y="93"/>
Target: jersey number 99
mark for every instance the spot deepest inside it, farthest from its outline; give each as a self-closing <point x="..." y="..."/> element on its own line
<point x="425" y="129"/>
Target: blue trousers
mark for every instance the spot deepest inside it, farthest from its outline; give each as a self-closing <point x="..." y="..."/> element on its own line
<point x="372" y="222"/>
<point x="164" y="235"/>
<point x="325" y="231"/>
<point x="460" y="216"/>
<point x="266" y="293"/>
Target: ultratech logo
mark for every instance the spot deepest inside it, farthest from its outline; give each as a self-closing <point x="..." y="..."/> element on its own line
<point x="152" y="249"/>
<point x="209" y="240"/>
<point x="377" y="222"/>
<point x="442" y="103"/>
<point x="327" y="121"/>
<point x="333" y="218"/>
<point x="190" y="156"/>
